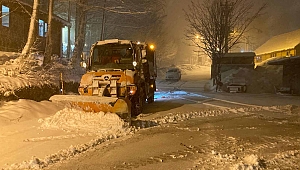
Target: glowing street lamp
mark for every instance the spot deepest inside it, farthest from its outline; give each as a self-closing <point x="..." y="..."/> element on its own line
<point x="198" y="38"/>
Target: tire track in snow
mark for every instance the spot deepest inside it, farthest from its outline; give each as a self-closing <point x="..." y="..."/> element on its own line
<point x="205" y="102"/>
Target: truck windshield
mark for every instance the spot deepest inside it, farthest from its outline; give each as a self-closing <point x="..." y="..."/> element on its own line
<point x="112" y="56"/>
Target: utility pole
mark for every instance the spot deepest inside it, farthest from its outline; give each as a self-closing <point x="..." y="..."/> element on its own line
<point x="69" y="31"/>
<point x="103" y="21"/>
<point x="226" y="27"/>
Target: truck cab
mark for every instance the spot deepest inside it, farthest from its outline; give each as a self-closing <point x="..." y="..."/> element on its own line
<point x="123" y="69"/>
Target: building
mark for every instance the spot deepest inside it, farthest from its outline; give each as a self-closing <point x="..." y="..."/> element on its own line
<point x="235" y="61"/>
<point x="15" y="21"/>
<point x="283" y="45"/>
<point x="291" y="73"/>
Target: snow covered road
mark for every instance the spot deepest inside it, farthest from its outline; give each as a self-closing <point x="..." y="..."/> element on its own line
<point x="245" y="138"/>
<point x="185" y="128"/>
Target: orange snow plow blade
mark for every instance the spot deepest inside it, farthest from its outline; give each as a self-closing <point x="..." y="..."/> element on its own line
<point x="96" y="104"/>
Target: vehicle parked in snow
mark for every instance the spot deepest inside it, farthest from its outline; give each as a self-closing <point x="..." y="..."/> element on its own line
<point x="173" y="74"/>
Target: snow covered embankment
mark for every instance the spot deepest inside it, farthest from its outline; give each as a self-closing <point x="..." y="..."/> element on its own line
<point x="105" y="126"/>
<point x="27" y="79"/>
<point x="85" y="122"/>
<point x="109" y="126"/>
<point x="262" y="79"/>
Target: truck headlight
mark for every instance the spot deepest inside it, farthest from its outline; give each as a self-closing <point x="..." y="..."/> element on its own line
<point x="134" y="63"/>
<point x="84" y="65"/>
<point x="131" y="90"/>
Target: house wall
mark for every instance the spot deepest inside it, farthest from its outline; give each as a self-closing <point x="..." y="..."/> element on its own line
<point x="14" y="37"/>
<point x="283" y="53"/>
<point x="296" y="85"/>
<point x="297" y="49"/>
<point x="228" y="63"/>
<point x="235" y="61"/>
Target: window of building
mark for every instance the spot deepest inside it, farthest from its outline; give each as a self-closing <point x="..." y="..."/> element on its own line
<point x="41" y="28"/>
<point x="46" y="27"/>
<point x="258" y="58"/>
<point x="5" y="16"/>
<point x="292" y="53"/>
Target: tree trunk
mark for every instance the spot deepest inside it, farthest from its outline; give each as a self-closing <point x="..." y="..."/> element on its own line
<point x="80" y="38"/>
<point x="49" y="42"/>
<point x="218" y="76"/>
<point x="32" y="29"/>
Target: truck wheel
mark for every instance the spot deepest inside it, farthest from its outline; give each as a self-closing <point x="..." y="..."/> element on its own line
<point x="135" y="106"/>
<point x="138" y="103"/>
<point x="136" y="110"/>
<point x="152" y="90"/>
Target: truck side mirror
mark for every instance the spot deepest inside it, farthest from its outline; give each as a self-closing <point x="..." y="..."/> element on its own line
<point x="144" y="61"/>
<point x="144" y="53"/>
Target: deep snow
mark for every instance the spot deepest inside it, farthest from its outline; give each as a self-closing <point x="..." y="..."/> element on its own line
<point x="102" y="127"/>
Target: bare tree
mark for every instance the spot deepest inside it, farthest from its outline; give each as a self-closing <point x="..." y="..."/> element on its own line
<point x="80" y="29"/>
<point x="32" y="29"/>
<point x="217" y="25"/>
<point x="130" y="19"/>
<point x="49" y="42"/>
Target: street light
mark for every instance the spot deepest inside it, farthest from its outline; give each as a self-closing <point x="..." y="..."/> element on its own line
<point x="198" y="42"/>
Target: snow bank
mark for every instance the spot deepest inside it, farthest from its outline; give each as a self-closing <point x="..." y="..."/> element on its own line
<point x="250" y="162"/>
<point x="110" y="126"/>
<point x="105" y="126"/>
<point x="13" y="112"/>
<point x="17" y="73"/>
<point x="73" y="120"/>
<point x="262" y="79"/>
<point x="7" y="56"/>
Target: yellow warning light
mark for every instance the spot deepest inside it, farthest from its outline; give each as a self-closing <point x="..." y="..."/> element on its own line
<point x="152" y="47"/>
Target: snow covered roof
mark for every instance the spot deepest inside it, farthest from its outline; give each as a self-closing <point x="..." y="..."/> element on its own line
<point x="285" y="61"/>
<point x="113" y="41"/>
<point x="245" y="54"/>
<point x="280" y="42"/>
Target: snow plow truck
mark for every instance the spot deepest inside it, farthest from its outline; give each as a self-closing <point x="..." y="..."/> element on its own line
<point x="120" y="78"/>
